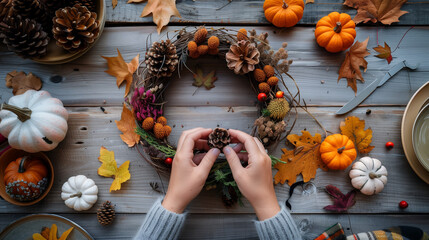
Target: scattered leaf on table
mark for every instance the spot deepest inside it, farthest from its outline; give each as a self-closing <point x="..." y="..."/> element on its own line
<point x="305" y="159"/>
<point x="51" y="234"/>
<point x="121" y="70"/>
<point x="350" y="69"/>
<point x="341" y="202"/>
<point x="354" y="128"/>
<point x="308" y="1"/>
<point x="136" y="1"/>
<point x="109" y="168"/>
<point x="161" y="11"/>
<point x="206" y="81"/>
<point x="127" y="125"/>
<point x="384" y="11"/>
<point x="384" y="52"/>
<point x="21" y="82"/>
<point x="114" y="3"/>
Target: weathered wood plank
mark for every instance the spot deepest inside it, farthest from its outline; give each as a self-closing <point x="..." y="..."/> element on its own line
<point x="85" y="83"/>
<point x="237" y="226"/>
<point x="251" y="12"/>
<point x="90" y="128"/>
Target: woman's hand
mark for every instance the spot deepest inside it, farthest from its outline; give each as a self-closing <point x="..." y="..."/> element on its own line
<point x="189" y="175"/>
<point x="256" y="180"/>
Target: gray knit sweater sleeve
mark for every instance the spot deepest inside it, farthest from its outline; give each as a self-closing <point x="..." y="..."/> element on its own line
<point x="161" y="224"/>
<point x="281" y="226"/>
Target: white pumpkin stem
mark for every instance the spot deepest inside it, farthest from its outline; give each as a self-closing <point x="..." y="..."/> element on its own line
<point x="79" y="194"/>
<point x="373" y="175"/>
<point x="337" y="28"/>
<point x="23" y="113"/>
<point x="285" y="5"/>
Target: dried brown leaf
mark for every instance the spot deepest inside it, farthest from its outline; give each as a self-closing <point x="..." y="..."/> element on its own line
<point x="161" y="11"/>
<point x="354" y="128"/>
<point x="384" y="11"/>
<point x="127" y="125"/>
<point x="384" y="52"/>
<point x="21" y="82"/>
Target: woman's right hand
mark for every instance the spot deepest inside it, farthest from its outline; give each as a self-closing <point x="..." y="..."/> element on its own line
<point x="255" y="181"/>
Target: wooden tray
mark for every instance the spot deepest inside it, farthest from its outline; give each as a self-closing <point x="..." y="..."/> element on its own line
<point x="413" y="108"/>
<point x="57" y="55"/>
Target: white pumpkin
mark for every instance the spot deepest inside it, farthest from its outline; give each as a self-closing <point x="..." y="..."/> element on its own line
<point x="368" y="175"/>
<point x="79" y="193"/>
<point x="33" y="121"/>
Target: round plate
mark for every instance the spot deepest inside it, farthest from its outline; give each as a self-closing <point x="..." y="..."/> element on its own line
<point x="421" y="136"/>
<point x="411" y="111"/>
<point x="57" y="55"/>
<point x="25" y="227"/>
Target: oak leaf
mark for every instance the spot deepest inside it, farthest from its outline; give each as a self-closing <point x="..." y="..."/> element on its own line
<point x="21" y="82"/>
<point x="384" y="52"/>
<point x="305" y="159"/>
<point x="161" y="11"/>
<point x="206" y="81"/>
<point x="354" y="128"/>
<point x="350" y="68"/>
<point x="384" y="11"/>
<point x="341" y="202"/>
<point x="121" y="70"/>
<point x="51" y="234"/>
<point x="127" y="125"/>
<point x="109" y="168"/>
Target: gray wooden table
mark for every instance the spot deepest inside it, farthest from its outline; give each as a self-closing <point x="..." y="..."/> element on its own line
<point x="86" y="87"/>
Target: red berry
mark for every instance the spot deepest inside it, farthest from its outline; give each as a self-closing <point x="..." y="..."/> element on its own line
<point x="389" y="145"/>
<point x="403" y="204"/>
<point x="280" y="94"/>
<point x="168" y="161"/>
<point x="262" y="97"/>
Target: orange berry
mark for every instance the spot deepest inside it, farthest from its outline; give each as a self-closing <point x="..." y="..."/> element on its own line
<point x="269" y="71"/>
<point x="192" y="47"/>
<point x="148" y="123"/>
<point x="203" y="49"/>
<point x="159" y="131"/>
<point x="264" y="88"/>
<point x="213" y="42"/>
<point x="167" y="130"/>
<point x="259" y="75"/>
<point x="242" y="34"/>
<point x="272" y="81"/>
<point x="200" y="35"/>
<point x="213" y="51"/>
<point x="162" y="120"/>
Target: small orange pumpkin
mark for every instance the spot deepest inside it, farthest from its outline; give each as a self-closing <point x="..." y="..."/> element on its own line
<point x="283" y="13"/>
<point x="335" y="32"/>
<point x="25" y="179"/>
<point x="338" y="152"/>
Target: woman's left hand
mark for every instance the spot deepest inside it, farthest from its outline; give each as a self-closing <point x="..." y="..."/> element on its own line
<point x="189" y="173"/>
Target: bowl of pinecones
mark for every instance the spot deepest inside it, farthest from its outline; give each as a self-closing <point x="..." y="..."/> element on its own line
<point x="51" y="31"/>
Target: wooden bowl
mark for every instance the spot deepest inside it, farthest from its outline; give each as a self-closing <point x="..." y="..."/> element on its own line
<point x="11" y="155"/>
<point x="57" y="55"/>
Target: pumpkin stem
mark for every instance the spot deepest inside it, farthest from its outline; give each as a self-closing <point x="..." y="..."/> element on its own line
<point x="341" y="149"/>
<point x="285" y="5"/>
<point x="373" y="175"/>
<point x="79" y="194"/>
<point x="21" y="168"/>
<point x="23" y="113"/>
<point x="337" y="28"/>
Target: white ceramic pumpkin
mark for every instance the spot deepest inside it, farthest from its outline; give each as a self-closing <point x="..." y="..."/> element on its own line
<point x="33" y="121"/>
<point x="79" y="193"/>
<point x="368" y="175"/>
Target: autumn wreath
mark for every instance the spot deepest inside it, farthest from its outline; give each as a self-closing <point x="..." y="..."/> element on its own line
<point x="246" y="54"/>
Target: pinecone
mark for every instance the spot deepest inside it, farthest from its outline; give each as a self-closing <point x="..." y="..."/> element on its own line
<point x="25" y="37"/>
<point x="219" y="138"/>
<point x="242" y="57"/>
<point x="75" y="28"/>
<point x="6" y="9"/>
<point x="54" y="5"/>
<point x="268" y="130"/>
<point x="33" y="9"/>
<point x="90" y="4"/>
<point x="106" y="213"/>
<point x="162" y="59"/>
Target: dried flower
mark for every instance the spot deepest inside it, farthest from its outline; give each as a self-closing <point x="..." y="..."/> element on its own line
<point x="143" y="104"/>
<point x="268" y="130"/>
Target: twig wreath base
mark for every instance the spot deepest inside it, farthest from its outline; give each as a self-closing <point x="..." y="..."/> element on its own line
<point x="166" y="59"/>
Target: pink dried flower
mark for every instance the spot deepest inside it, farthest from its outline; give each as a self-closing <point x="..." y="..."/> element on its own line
<point x="142" y="104"/>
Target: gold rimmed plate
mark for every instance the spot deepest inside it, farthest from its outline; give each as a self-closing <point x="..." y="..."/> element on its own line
<point x="410" y="114"/>
<point x="25" y="227"/>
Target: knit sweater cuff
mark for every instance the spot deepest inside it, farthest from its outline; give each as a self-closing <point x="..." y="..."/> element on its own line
<point x="161" y="223"/>
<point x="281" y="226"/>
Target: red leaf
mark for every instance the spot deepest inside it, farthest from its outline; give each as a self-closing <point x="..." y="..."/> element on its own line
<point x="384" y="52"/>
<point x="341" y="202"/>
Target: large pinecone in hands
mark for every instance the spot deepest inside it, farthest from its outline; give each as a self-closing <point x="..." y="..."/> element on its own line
<point x="35" y="10"/>
<point x="162" y="59"/>
<point x="242" y="57"/>
<point x="6" y="9"/>
<point x="25" y="37"/>
<point x="75" y="28"/>
<point x="219" y="138"/>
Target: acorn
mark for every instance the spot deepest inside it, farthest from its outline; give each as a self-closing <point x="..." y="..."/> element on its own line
<point x="272" y="81"/>
<point x="259" y="75"/>
<point x="269" y="71"/>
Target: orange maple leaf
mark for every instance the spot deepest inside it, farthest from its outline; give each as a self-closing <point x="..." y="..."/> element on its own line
<point x="354" y="128"/>
<point x="121" y="70"/>
<point x="161" y="10"/>
<point x="305" y="159"/>
<point x="350" y="69"/>
<point x="384" y="11"/>
<point x="127" y="125"/>
<point x="384" y="52"/>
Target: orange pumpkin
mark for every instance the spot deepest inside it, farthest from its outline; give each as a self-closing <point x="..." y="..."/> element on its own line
<point x="25" y="178"/>
<point x="335" y="32"/>
<point x="283" y="13"/>
<point x="338" y="152"/>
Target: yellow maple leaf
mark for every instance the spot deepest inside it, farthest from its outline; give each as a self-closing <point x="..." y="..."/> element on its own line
<point x="127" y="125"/>
<point x="109" y="168"/>
<point x="51" y="234"/>
<point x="161" y="11"/>
<point x="121" y="70"/>
<point x="354" y="128"/>
<point x="304" y="159"/>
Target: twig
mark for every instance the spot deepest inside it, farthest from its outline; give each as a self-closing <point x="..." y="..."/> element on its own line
<point x="229" y="1"/>
<point x="397" y="46"/>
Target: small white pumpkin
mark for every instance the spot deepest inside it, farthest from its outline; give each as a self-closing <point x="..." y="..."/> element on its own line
<point x="368" y="175"/>
<point x="79" y="193"/>
<point x="33" y="121"/>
